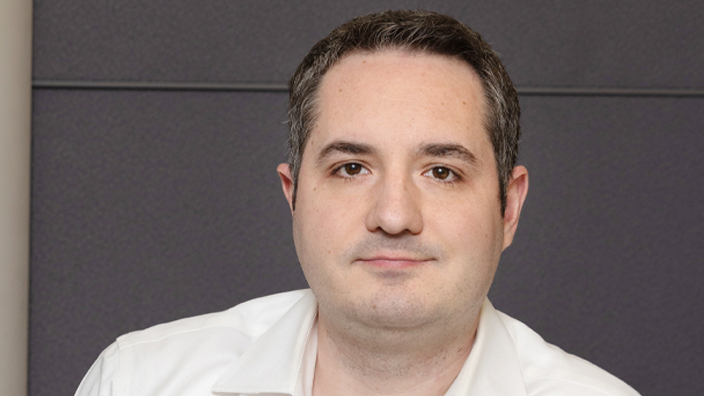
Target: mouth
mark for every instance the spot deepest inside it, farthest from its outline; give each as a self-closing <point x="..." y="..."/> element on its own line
<point x="392" y="262"/>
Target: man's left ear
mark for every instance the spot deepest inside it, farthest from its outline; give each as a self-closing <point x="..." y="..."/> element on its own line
<point x="515" y="196"/>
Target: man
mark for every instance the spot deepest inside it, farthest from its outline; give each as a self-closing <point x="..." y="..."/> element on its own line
<point x="404" y="192"/>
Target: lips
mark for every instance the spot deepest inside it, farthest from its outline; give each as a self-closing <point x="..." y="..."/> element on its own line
<point x="392" y="262"/>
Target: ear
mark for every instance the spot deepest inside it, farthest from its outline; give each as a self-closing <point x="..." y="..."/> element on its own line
<point x="515" y="196"/>
<point x="286" y="183"/>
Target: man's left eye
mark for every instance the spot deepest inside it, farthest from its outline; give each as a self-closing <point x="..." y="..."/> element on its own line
<point x="441" y="173"/>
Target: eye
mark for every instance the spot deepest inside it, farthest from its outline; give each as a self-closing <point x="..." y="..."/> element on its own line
<point x="441" y="173"/>
<point x="351" y="169"/>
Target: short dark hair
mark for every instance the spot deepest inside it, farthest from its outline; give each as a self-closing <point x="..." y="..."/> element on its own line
<point x="412" y="31"/>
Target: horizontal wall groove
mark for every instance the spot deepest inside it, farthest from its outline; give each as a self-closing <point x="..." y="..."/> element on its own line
<point x="280" y="87"/>
<point x="580" y="91"/>
<point x="159" y="86"/>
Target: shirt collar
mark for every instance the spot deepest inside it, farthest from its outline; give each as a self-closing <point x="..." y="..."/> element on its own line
<point x="492" y="368"/>
<point x="273" y="363"/>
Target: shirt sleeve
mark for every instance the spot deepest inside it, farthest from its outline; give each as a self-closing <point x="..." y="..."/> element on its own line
<point x="99" y="379"/>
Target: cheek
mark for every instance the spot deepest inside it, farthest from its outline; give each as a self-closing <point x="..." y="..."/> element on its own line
<point x="471" y="233"/>
<point x="321" y="231"/>
<point x="322" y="225"/>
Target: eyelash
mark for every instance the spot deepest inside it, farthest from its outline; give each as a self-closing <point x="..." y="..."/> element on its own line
<point x="452" y="176"/>
<point x="337" y="171"/>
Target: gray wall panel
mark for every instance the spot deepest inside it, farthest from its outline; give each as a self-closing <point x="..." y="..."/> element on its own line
<point x="149" y="207"/>
<point x="607" y="263"/>
<point x="545" y="43"/>
<point x="152" y="206"/>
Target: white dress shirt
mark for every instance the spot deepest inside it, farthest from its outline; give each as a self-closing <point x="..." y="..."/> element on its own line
<point x="268" y="346"/>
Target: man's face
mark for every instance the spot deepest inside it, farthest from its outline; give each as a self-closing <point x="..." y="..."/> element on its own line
<point x="398" y="221"/>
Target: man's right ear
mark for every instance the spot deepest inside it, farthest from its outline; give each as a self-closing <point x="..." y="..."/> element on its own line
<point x="286" y="183"/>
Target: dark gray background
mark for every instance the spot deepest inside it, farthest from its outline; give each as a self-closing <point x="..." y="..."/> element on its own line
<point x="149" y="205"/>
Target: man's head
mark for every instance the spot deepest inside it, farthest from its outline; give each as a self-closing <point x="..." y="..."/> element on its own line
<point x="398" y="224"/>
<point x="413" y="32"/>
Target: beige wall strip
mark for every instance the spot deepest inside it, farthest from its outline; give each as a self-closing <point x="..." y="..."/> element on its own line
<point x="15" y="124"/>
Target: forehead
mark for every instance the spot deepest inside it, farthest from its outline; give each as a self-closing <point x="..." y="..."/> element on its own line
<point x="399" y="92"/>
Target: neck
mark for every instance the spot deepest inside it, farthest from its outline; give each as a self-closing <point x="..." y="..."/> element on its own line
<point x="421" y="361"/>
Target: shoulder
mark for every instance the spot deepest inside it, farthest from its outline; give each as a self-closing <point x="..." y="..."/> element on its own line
<point x="189" y="354"/>
<point x="249" y="319"/>
<point x="548" y="370"/>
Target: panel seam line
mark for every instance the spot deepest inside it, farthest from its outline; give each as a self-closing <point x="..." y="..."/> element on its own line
<point x="281" y="87"/>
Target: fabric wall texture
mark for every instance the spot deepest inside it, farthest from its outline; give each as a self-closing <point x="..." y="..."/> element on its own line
<point x="15" y="150"/>
<point x="153" y="204"/>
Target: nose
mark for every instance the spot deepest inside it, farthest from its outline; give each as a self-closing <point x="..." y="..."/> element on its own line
<point x="395" y="207"/>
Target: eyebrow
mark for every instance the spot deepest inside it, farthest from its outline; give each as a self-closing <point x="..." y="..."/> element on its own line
<point x="448" y="150"/>
<point x="344" y="147"/>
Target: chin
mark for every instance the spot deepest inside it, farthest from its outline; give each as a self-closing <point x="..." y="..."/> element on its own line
<point x="395" y="310"/>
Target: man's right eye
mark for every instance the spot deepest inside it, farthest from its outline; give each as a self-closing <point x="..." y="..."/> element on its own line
<point x="351" y="169"/>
